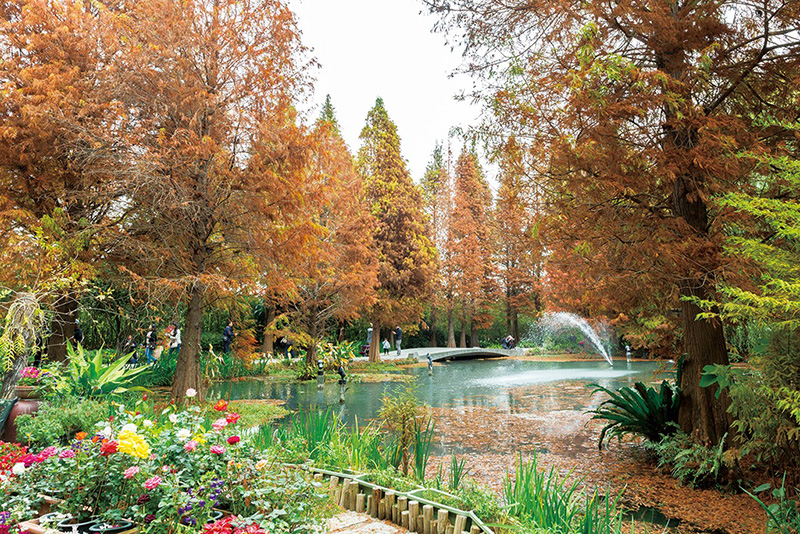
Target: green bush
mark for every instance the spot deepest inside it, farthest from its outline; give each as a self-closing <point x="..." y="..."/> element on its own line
<point x="691" y="463"/>
<point x="59" y="419"/>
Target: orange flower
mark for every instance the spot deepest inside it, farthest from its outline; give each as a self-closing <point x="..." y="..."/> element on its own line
<point x="95" y="439"/>
<point x="221" y="406"/>
<point x="80" y="436"/>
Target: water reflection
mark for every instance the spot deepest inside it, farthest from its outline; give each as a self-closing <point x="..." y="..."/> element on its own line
<point x="509" y="386"/>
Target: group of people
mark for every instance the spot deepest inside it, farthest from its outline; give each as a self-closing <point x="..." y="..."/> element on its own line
<point x="151" y="344"/>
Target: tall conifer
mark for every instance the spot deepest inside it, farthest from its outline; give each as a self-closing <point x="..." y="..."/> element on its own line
<point x="405" y="253"/>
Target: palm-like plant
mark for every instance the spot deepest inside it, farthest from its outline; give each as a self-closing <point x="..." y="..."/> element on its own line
<point x="86" y="377"/>
<point x="640" y="410"/>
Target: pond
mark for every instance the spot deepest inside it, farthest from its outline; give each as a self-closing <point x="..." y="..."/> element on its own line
<point x="489" y="389"/>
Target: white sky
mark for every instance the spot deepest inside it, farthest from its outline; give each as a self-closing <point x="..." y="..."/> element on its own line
<point x="372" y="48"/>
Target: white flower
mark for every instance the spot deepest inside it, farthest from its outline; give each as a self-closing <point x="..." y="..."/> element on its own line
<point x="191" y="392"/>
<point x="147" y="423"/>
<point x="184" y="433"/>
<point x="173" y="418"/>
<point x="130" y="427"/>
<point x="107" y="432"/>
<point x="18" y="469"/>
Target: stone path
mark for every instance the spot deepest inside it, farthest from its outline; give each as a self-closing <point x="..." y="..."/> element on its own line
<point x="355" y="523"/>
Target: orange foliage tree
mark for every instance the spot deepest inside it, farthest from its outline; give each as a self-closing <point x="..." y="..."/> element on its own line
<point x="469" y="244"/>
<point x="518" y="252"/>
<point x="60" y="177"/>
<point x="437" y="196"/>
<point x="635" y="113"/>
<point x="406" y="257"/>
<point x="337" y="278"/>
<point x="218" y="157"/>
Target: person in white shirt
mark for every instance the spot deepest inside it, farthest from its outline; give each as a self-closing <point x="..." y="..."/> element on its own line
<point x="174" y="340"/>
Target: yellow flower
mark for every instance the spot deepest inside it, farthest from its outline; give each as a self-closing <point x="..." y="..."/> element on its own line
<point x="261" y="464"/>
<point x="132" y="443"/>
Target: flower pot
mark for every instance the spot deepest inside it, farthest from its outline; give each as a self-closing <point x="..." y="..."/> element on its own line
<point x="107" y="527"/>
<point x="22" y="406"/>
<point x="76" y="526"/>
<point x="26" y="392"/>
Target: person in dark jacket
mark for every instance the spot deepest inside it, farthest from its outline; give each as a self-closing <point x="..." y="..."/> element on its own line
<point x="398" y="338"/>
<point x="227" y="337"/>
<point x="150" y="344"/>
<point x="77" y="334"/>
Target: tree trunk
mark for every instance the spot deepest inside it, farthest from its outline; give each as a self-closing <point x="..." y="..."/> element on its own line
<point x="700" y="414"/>
<point x="473" y="334"/>
<point x="515" y="325"/>
<point x="311" y="350"/>
<point x="375" y="344"/>
<point x="188" y="372"/>
<point x="269" y="316"/>
<point x="451" y="330"/>
<point x="62" y="327"/>
<point x="432" y="342"/>
<point x="462" y="340"/>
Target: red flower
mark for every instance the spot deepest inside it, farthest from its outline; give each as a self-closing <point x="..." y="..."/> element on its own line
<point x="232" y="417"/>
<point x="233" y="440"/>
<point x="108" y="448"/>
<point x="221" y="406"/>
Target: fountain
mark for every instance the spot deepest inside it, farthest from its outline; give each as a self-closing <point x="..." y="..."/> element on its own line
<point x="554" y="322"/>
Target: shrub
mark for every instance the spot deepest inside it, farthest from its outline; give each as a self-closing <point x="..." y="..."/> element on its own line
<point x="641" y="411"/>
<point x="691" y="463"/>
<point x="59" y="419"/>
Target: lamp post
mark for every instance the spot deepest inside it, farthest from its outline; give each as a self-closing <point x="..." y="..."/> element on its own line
<point x="320" y="373"/>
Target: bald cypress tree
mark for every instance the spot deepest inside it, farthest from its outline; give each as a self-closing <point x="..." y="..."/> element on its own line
<point x="405" y="252"/>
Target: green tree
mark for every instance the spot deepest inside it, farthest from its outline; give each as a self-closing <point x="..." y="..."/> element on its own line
<point x="406" y="256"/>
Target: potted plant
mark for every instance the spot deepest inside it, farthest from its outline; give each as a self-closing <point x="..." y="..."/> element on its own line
<point x="27" y="383"/>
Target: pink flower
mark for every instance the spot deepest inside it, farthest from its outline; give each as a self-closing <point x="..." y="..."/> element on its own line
<point x="233" y="440"/>
<point x="152" y="483"/>
<point x="219" y="424"/>
<point x="232" y="417"/>
<point x="67" y="453"/>
<point x="130" y="472"/>
<point x="49" y="452"/>
<point x="217" y="449"/>
<point x="190" y="446"/>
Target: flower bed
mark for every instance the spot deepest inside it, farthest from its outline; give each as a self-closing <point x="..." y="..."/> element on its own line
<point x="165" y="470"/>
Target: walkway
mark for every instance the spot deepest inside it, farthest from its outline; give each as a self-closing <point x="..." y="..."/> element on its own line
<point x="355" y="523"/>
<point x="442" y="353"/>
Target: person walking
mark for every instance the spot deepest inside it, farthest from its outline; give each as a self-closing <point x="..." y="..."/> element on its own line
<point x="77" y="334"/>
<point x="174" y="340"/>
<point x="151" y="342"/>
<point x="386" y="347"/>
<point x="398" y="338"/>
<point x="227" y="337"/>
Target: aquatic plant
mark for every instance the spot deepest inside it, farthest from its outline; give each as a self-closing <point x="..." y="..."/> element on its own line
<point x="543" y="498"/>
<point x="423" y="438"/>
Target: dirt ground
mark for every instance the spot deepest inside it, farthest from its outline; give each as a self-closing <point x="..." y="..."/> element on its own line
<point x="566" y="439"/>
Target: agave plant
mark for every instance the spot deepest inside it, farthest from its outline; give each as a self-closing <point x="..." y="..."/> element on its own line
<point x="640" y="410"/>
<point x="86" y="377"/>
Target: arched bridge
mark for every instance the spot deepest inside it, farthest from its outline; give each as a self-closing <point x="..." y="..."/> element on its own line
<point x="442" y="354"/>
